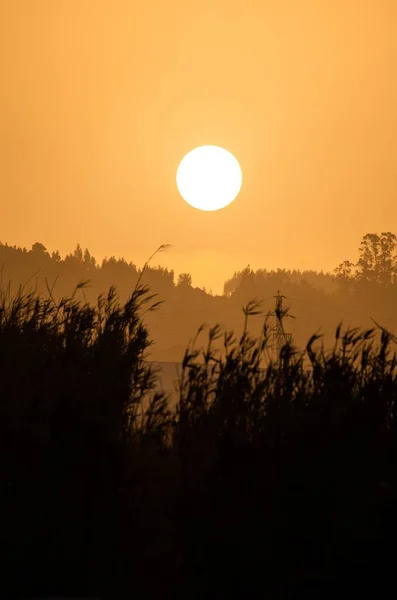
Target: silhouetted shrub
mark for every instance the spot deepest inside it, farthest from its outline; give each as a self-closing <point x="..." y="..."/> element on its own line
<point x="268" y="479"/>
<point x="76" y="400"/>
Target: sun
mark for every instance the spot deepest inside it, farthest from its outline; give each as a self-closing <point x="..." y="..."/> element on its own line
<point x="209" y="178"/>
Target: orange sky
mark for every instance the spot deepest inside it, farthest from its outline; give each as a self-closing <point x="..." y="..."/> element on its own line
<point x="100" y="100"/>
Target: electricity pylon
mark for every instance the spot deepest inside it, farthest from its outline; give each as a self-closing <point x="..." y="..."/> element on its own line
<point x="280" y="337"/>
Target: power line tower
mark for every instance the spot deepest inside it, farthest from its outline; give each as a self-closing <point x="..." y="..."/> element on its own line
<point x="280" y="337"/>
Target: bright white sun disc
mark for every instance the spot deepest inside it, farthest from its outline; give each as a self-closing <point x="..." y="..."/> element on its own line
<point x="209" y="178"/>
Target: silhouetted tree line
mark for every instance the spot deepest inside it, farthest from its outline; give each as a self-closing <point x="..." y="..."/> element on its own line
<point x="274" y="482"/>
<point x="377" y="262"/>
<point x="354" y="293"/>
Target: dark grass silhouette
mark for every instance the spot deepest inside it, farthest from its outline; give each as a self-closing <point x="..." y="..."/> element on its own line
<point x="270" y="481"/>
<point x="75" y="405"/>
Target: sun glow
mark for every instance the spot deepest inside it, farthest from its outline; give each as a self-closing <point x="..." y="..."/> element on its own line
<point x="209" y="178"/>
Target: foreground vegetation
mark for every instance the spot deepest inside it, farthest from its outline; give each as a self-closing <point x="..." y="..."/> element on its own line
<point x="271" y="481"/>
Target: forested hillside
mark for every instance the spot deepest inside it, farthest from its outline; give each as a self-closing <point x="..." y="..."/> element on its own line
<point x="353" y="294"/>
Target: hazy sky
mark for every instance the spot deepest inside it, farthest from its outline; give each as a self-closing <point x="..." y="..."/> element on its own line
<point x="100" y="100"/>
